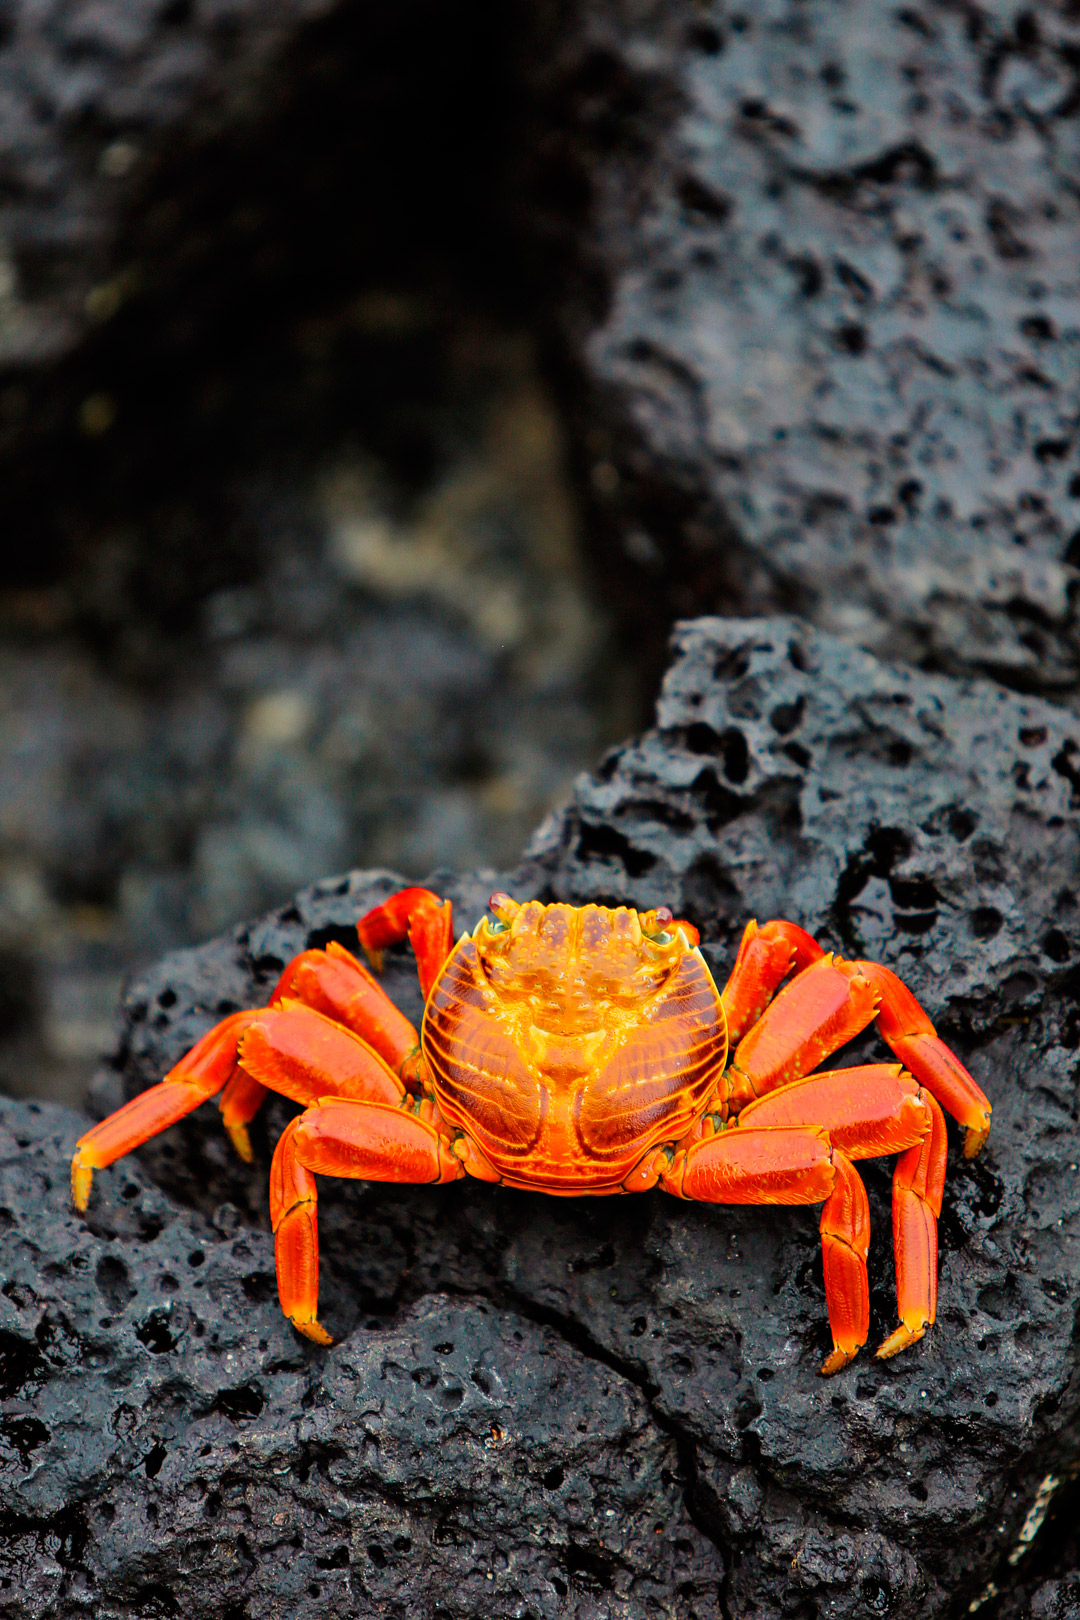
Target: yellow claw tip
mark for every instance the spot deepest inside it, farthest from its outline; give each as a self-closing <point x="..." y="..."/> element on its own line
<point x="975" y="1139"/>
<point x="312" y="1330"/>
<point x="899" y="1339"/>
<point x="837" y="1360"/>
<point x="374" y="958"/>
<point x="82" y="1176"/>
<point x="241" y="1141"/>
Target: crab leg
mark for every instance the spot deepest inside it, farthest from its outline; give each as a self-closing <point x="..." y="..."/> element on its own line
<point x="291" y="1049"/>
<point x="822" y="1008"/>
<point x="908" y="1030"/>
<point x="418" y="916"/>
<point x="869" y="1112"/>
<point x="332" y="982"/>
<point x="198" y="1075"/>
<point x="793" y="1165"/>
<point x="335" y="983"/>
<point x="918" y="1185"/>
<point x="766" y="957"/>
<point x="365" y="1141"/>
<point x="303" y="1054"/>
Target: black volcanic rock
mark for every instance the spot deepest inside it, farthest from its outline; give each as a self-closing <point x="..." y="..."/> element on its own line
<point x="817" y="292"/>
<point x="609" y="1407"/>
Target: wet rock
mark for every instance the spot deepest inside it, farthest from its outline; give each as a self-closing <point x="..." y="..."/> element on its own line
<point x="169" y="1446"/>
<point x="671" y="1443"/>
<point x="818" y="306"/>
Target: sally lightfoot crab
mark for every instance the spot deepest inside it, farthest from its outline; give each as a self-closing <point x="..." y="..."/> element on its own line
<point x="582" y="1050"/>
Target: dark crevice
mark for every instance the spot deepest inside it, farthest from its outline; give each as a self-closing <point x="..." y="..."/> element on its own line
<point x="580" y="1339"/>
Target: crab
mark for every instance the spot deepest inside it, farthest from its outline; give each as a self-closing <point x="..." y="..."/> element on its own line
<point x="586" y="1050"/>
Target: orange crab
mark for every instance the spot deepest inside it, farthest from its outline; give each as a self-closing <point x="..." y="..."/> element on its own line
<point x="585" y="1050"/>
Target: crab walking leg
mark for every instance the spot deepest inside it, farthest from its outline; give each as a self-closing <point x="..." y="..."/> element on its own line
<point x="766" y="957"/>
<point x="290" y="1049"/>
<point x="868" y="1112"/>
<point x="366" y="1141"/>
<point x="239" y="1103"/>
<point x="908" y="1030"/>
<point x="198" y="1076"/>
<point x="786" y="1165"/>
<point x="334" y="983"/>
<point x="918" y="1185"/>
<point x="822" y="1008"/>
<point x="418" y="916"/>
<point x="304" y="1055"/>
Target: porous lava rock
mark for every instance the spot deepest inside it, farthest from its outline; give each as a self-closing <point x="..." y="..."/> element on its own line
<point x="817" y="288"/>
<point x="600" y="1407"/>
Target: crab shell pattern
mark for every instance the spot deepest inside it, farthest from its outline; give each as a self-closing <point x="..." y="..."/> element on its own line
<point x="574" y="1050"/>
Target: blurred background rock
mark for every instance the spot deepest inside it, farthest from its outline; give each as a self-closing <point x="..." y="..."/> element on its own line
<point x="291" y="577"/>
<point x="297" y="300"/>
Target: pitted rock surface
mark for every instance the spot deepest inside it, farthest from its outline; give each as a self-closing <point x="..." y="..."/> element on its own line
<point x="666" y="1443"/>
<point x="819" y="308"/>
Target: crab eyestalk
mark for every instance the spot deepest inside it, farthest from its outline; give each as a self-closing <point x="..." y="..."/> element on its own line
<point x="656" y="925"/>
<point x="504" y="910"/>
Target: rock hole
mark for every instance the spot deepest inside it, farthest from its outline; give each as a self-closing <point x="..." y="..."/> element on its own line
<point x="154" y="1459"/>
<point x="20" y="1362"/>
<point x="986" y="921"/>
<point x="1063" y="762"/>
<point x="876" y="1596"/>
<point x="850" y="338"/>
<point x="706" y="38"/>
<point x="240" y="1404"/>
<point x="747" y="1408"/>
<point x="1056" y="946"/>
<point x="554" y="1477"/>
<point x="154" y="1602"/>
<point x="167" y="998"/>
<point x="24" y="1435"/>
<point x="701" y="739"/>
<point x="961" y="824"/>
<point x="732" y="665"/>
<point x="260" y="1286"/>
<point x="698" y="198"/>
<point x="114" y="1281"/>
<point x="589" y="1566"/>
<point x="156" y="1334"/>
<point x="786" y="717"/>
<point x="597" y="841"/>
